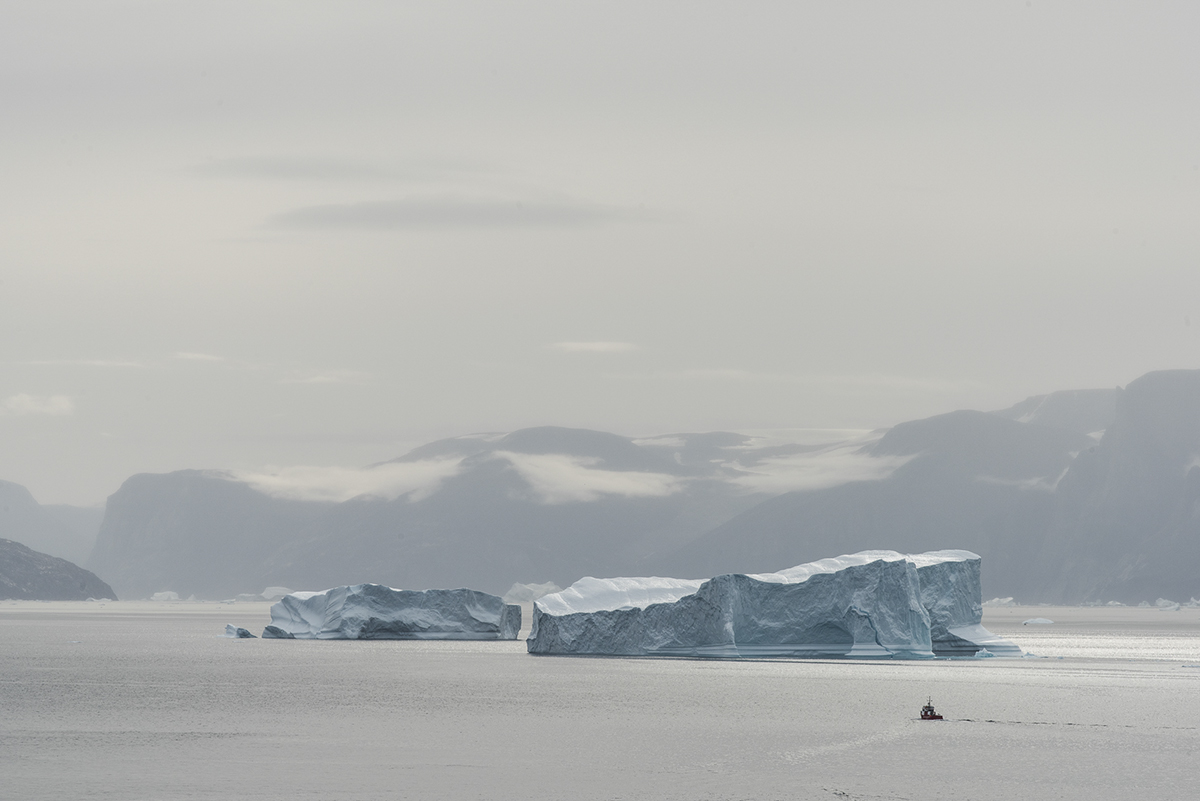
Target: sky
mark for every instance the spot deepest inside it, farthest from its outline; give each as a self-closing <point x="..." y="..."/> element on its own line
<point x="262" y="235"/>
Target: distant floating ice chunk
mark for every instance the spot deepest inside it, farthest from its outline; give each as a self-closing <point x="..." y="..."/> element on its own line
<point x="376" y="612"/>
<point x="528" y="593"/>
<point x="271" y="594"/>
<point x="984" y="653"/>
<point x="1037" y="621"/>
<point x="1001" y="602"/>
<point x="235" y="632"/>
<point x="165" y="596"/>
<point x="869" y="604"/>
<point x="1167" y="606"/>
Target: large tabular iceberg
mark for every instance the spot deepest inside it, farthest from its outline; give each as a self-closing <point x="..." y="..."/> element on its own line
<point x="376" y="612"/>
<point x="869" y="604"/>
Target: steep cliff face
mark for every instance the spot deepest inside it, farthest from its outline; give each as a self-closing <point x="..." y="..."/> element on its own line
<point x="1127" y="524"/>
<point x="972" y="480"/>
<point x="26" y="574"/>
<point x="195" y="533"/>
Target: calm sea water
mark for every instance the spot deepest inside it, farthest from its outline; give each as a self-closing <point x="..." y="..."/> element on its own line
<point x="143" y="701"/>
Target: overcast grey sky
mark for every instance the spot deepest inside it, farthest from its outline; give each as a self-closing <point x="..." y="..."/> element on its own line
<point x="274" y="233"/>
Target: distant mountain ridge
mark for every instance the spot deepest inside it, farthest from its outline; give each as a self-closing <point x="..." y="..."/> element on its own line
<point x="68" y="532"/>
<point x="1086" y="411"/>
<point x="26" y="574"/>
<point x="1071" y="496"/>
<point x="536" y="504"/>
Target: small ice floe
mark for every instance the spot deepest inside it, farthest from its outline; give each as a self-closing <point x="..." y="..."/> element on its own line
<point x="984" y="653"/>
<point x="1037" y="621"/>
<point x="1167" y="606"/>
<point x="234" y="632"/>
<point x="1114" y="603"/>
<point x="1000" y="602"/>
<point x="1192" y="604"/>
<point x="165" y="596"/>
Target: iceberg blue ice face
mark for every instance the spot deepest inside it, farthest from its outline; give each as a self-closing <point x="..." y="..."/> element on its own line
<point x="951" y="594"/>
<point x="376" y="612"/>
<point x="869" y="604"/>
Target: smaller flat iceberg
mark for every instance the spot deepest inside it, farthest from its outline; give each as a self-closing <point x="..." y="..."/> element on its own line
<point x="376" y="612"/>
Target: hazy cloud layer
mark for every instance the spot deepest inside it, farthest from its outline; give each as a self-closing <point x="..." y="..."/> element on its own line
<point x="24" y="404"/>
<point x="295" y="169"/>
<point x="447" y="212"/>
<point x="326" y="377"/>
<point x="325" y="169"/>
<point x="829" y="437"/>
<point x="661" y="442"/>
<point x="84" y="363"/>
<point x="817" y="470"/>
<point x="865" y="382"/>
<point x="197" y="357"/>
<point x="557" y="478"/>
<point x="593" y="347"/>
<point x="855" y="218"/>
<point x="389" y="481"/>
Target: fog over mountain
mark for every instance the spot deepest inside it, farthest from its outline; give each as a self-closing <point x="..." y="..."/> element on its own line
<point x="481" y="510"/>
<point x="1072" y="496"/>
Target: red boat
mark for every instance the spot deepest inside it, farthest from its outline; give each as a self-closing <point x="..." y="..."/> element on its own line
<point x="927" y="712"/>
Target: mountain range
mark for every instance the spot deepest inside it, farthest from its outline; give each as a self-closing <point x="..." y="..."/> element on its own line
<point x="1074" y="496"/>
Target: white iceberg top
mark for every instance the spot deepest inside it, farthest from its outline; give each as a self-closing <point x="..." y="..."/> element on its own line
<point x="596" y="595"/>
